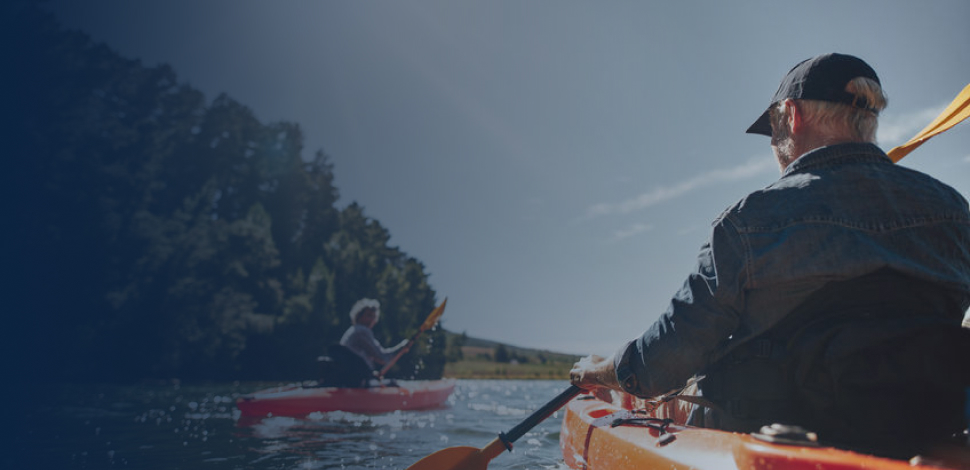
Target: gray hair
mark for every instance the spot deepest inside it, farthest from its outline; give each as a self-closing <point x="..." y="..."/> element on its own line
<point x="842" y="120"/>
<point x="362" y="305"/>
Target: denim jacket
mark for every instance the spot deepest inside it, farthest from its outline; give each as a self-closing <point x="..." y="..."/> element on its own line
<point x="837" y="213"/>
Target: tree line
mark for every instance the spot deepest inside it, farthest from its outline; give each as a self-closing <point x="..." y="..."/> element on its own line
<point x="155" y="233"/>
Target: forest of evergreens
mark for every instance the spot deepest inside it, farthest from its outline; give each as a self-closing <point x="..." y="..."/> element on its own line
<point x="156" y="233"/>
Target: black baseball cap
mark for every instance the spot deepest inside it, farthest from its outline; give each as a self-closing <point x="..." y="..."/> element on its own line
<point x="820" y="78"/>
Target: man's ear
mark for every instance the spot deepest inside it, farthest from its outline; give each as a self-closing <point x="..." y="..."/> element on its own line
<point x="795" y="118"/>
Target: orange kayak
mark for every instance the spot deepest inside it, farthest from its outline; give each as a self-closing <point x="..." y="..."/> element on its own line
<point x="599" y="436"/>
<point x="299" y="401"/>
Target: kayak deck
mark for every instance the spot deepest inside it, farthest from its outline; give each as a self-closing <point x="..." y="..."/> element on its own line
<point x="299" y="401"/>
<point x="592" y="438"/>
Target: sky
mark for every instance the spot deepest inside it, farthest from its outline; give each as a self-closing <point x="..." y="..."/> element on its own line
<point x="555" y="164"/>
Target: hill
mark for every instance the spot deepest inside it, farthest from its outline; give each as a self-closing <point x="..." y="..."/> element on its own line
<point x="477" y="358"/>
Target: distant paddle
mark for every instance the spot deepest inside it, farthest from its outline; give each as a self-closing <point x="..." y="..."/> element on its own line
<point x="470" y="458"/>
<point x="958" y="110"/>
<point x="427" y="325"/>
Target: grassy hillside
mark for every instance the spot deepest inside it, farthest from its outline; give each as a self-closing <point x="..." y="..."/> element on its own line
<point x="475" y="358"/>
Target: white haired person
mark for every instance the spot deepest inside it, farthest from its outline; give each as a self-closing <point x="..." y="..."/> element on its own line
<point x="360" y="340"/>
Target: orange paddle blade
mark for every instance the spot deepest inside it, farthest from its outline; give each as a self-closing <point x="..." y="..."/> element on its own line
<point x="958" y="110"/>
<point x="445" y="459"/>
<point x="428" y="323"/>
<point x="435" y="315"/>
<point x="469" y="458"/>
<point x="460" y="458"/>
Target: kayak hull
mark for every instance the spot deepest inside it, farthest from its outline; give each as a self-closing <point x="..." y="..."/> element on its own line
<point x="589" y="441"/>
<point x="298" y="401"/>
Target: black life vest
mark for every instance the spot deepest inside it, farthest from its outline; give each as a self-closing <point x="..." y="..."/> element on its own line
<point x="879" y="363"/>
<point x="344" y="368"/>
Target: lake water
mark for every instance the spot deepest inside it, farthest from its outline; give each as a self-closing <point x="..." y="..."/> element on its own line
<point x="198" y="427"/>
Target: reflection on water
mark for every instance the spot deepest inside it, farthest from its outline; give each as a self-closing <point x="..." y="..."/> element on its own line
<point x="198" y="427"/>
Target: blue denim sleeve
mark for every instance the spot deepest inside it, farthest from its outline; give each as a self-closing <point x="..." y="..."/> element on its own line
<point x="701" y="315"/>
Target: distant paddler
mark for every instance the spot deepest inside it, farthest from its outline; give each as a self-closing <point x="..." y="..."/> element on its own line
<point x="360" y="340"/>
<point x="360" y="357"/>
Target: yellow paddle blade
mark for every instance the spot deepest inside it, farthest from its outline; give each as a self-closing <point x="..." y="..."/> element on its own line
<point x="958" y="110"/>
<point x="435" y="315"/>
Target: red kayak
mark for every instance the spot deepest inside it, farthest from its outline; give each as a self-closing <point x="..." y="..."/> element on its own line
<point x="299" y="401"/>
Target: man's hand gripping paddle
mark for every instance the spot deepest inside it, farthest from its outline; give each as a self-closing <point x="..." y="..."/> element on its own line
<point x="427" y="325"/>
<point x="958" y="110"/>
<point x="470" y="458"/>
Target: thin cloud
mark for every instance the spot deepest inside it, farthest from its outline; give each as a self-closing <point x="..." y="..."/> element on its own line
<point x="896" y="129"/>
<point x="665" y="193"/>
<point x="636" y="229"/>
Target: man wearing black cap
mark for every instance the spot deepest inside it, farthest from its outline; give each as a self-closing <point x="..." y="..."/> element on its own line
<point x="831" y="299"/>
